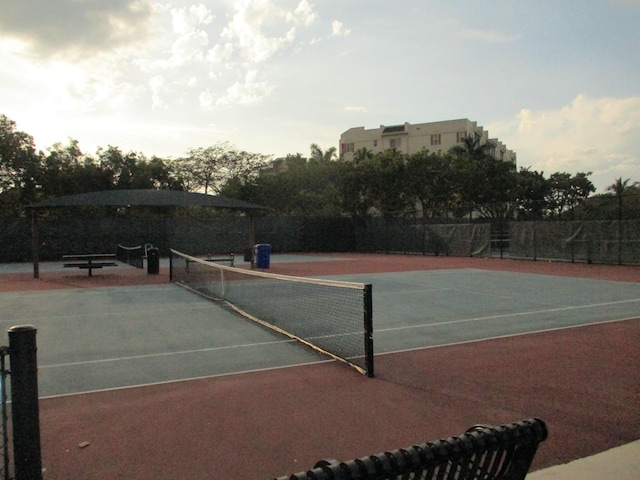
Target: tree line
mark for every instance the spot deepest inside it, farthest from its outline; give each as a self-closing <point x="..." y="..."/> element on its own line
<point x="463" y="181"/>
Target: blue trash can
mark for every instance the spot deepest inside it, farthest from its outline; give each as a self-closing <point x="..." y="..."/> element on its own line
<point x="263" y="255"/>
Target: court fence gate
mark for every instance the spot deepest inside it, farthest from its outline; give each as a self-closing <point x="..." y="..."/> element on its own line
<point x="25" y="412"/>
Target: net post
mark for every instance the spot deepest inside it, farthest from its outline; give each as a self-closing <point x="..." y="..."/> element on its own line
<point x="368" y="329"/>
<point x="25" y="408"/>
<point x="171" y="265"/>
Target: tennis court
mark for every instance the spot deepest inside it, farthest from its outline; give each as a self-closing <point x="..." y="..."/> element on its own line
<point x="102" y="338"/>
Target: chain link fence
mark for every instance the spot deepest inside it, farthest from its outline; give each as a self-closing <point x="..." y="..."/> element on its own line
<point x="604" y="230"/>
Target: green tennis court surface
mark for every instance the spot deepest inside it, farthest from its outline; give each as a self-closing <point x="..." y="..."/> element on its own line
<point x="113" y="337"/>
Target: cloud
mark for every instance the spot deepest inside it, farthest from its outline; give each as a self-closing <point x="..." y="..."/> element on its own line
<point x="158" y="88"/>
<point x="355" y="109"/>
<point x="626" y="3"/>
<point x="257" y="30"/>
<point x="191" y="39"/>
<point x="455" y="27"/>
<point x="601" y="135"/>
<point x="68" y="28"/>
<point x="488" y="36"/>
<point x="172" y="43"/>
<point x="304" y="14"/>
<point x="248" y="92"/>
<point x="338" y="29"/>
<point x="186" y="20"/>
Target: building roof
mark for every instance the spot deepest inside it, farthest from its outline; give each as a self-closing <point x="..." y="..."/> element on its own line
<point x="393" y="129"/>
<point x="147" y="198"/>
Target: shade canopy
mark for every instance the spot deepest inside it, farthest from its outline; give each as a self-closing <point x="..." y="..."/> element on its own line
<point x="133" y="198"/>
<point x="147" y="198"/>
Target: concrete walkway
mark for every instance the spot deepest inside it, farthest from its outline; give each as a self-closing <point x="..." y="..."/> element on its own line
<point x="621" y="463"/>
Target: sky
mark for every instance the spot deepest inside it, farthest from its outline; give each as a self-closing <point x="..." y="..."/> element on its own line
<point x="558" y="82"/>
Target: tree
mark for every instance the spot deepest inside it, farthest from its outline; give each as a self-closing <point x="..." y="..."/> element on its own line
<point x="430" y="181"/>
<point x="154" y="174"/>
<point x="209" y="168"/>
<point x="292" y="186"/>
<point x="354" y="190"/>
<point x="68" y="171"/>
<point x="386" y="183"/>
<point x="532" y="191"/>
<point x="485" y="184"/>
<point x="201" y="169"/>
<point x="472" y="146"/>
<point x="119" y="165"/>
<point x="19" y="164"/>
<point x="566" y="192"/>
<point x="320" y="156"/>
<point x="362" y="154"/>
<point x="620" y="188"/>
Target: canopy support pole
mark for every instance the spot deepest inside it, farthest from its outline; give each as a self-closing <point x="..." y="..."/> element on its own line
<point x="252" y="239"/>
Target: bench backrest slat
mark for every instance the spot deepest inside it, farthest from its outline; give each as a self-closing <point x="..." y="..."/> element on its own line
<point x="482" y="453"/>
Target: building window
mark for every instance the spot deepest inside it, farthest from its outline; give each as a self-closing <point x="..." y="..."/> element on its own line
<point x="460" y="136"/>
<point x="394" y="143"/>
<point x="347" y="148"/>
<point x="435" y="139"/>
<point x="375" y="143"/>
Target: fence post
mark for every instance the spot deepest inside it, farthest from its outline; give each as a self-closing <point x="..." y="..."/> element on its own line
<point x="24" y="403"/>
<point x="4" y="373"/>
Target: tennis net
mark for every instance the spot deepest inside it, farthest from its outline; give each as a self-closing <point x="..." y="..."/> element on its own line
<point x="132" y="255"/>
<point x="332" y="317"/>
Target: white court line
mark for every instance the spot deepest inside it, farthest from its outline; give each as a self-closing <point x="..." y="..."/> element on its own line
<point x="164" y="354"/>
<point x="168" y="382"/>
<point x="141" y="314"/>
<point x="507" y="315"/>
<point x="229" y="374"/>
<point x="61" y="292"/>
<point x="509" y="335"/>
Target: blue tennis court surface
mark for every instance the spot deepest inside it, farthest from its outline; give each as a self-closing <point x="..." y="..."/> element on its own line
<point x="113" y="337"/>
<point x="420" y="309"/>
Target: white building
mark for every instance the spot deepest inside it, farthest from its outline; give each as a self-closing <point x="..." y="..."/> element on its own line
<point x="437" y="137"/>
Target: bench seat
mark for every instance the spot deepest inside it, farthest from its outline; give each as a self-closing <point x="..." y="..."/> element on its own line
<point x="90" y="265"/>
<point x="484" y="452"/>
<point x="218" y="259"/>
<point x="89" y="261"/>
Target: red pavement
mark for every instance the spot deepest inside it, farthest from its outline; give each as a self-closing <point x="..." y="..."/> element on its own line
<point x="584" y="382"/>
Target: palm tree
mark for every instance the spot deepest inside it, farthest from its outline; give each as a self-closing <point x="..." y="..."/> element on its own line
<point x="619" y="187"/>
<point x="320" y="156"/>
<point x="472" y="146"/>
<point x="362" y="154"/>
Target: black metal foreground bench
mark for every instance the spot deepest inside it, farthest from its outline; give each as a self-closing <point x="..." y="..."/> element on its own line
<point x="482" y="453"/>
<point x="89" y="261"/>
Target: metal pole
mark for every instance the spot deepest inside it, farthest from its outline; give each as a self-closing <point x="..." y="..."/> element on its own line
<point x="368" y="329"/>
<point x="4" y="351"/>
<point x="252" y="239"/>
<point x="35" y="243"/>
<point x="25" y="407"/>
<point x="171" y="265"/>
